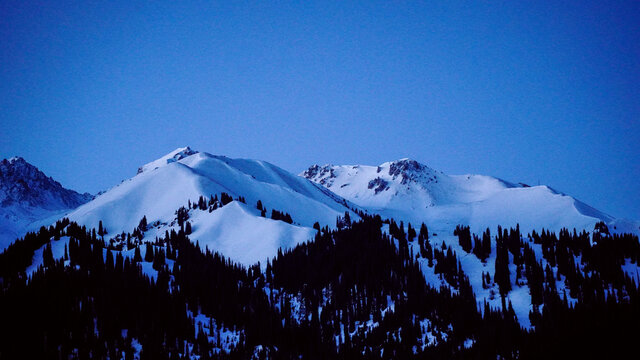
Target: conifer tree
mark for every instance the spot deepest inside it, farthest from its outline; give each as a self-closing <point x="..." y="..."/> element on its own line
<point x="148" y="256"/>
<point x="47" y="256"/>
<point x="143" y="224"/>
<point x="411" y="233"/>
<point x="136" y="256"/>
<point x="109" y="261"/>
<point x="502" y="276"/>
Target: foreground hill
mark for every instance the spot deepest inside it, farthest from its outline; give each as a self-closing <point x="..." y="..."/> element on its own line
<point x="354" y="292"/>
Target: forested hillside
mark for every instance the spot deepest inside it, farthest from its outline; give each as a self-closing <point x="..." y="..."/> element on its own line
<point x="355" y="292"/>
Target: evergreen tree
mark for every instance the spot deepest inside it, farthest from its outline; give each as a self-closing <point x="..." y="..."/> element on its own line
<point x="148" y="256"/>
<point x="159" y="260"/>
<point x="411" y="233"/>
<point x="101" y="230"/>
<point x="143" y="224"/>
<point x="502" y="275"/>
<point x="182" y="215"/>
<point x="136" y="256"/>
<point x="47" y="256"/>
<point x="464" y="237"/>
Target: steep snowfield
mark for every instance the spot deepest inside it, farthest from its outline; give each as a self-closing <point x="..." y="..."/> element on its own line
<point x="410" y="191"/>
<point x="237" y="231"/>
<point x="30" y="199"/>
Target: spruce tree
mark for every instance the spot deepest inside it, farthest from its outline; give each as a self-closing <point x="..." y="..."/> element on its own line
<point x="136" y="256"/>
<point x="148" y="256"/>
<point x="143" y="224"/>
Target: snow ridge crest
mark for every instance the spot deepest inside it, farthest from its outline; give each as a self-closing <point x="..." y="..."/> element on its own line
<point x="176" y="155"/>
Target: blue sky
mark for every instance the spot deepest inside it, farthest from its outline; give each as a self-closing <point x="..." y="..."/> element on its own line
<point x="527" y="91"/>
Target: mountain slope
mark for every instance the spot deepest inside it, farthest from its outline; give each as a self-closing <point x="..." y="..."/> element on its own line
<point x="29" y="199"/>
<point x="166" y="184"/>
<point x="408" y="190"/>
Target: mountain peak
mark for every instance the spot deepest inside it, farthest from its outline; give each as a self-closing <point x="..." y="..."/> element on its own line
<point x="15" y="159"/>
<point x="184" y="176"/>
<point x="408" y="170"/>
<point x="404" y="165"/>
<point x="407" y="189"/>
<point x="322" y="173"/>
<point x="185" y="151"/>
<point x="23" y="183"/>
<point x="17" y="167"/>
<point x="175" y="155"/>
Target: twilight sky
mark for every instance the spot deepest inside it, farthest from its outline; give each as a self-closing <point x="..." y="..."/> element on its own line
<point x="526" y="91"/>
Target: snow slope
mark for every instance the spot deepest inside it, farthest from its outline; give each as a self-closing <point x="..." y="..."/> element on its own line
<point x="30" y="199"/>
<point x="410" y="191"/>
<point x="240" y="232"/>
<point x="236" y="230"/>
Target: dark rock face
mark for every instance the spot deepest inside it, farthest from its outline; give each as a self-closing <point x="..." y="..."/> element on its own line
<point x="24" y="184"/>
<point x="404" y="166"/>
<point x="407" y="169"/>
<point x="324" y="175"/>
<point x="378" y="185"/>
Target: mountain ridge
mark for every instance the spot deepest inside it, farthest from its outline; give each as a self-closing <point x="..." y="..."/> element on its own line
<point x="222" y="205"/>
<point x="406" y="189"/>
<point x="184" y="175"/>
<point x="29" y="198"/>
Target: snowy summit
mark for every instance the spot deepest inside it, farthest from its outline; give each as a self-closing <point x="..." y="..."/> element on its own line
<point x="175" y="155"/>
<point x="239" y="230"/>
<point x="406" y="189"/>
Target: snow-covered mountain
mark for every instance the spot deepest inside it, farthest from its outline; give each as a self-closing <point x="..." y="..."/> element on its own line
<point x="237" y="230"/>
<point x="410" y="191"/>
<point x="29" y="199"/>
<point x="404" y="190"/>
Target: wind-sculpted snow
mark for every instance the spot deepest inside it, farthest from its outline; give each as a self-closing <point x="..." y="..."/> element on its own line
<point x="171" y="157"/>
<point x="237" y="230"/>
<point x="410" y="191"/>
